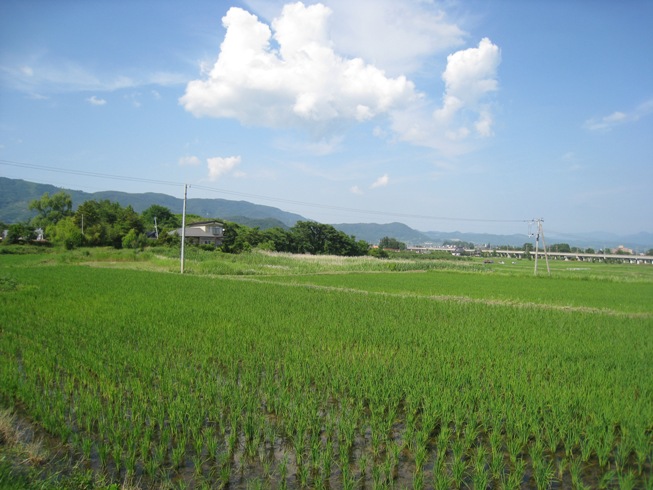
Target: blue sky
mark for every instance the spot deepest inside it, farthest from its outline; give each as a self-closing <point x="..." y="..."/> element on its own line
<point x="469" y="116"/>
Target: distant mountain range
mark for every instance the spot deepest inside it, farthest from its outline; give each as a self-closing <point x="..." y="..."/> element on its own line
<point x="15" y="195"/>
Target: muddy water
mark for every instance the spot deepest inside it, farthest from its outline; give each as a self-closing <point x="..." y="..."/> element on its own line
<point x="274" y="464"/>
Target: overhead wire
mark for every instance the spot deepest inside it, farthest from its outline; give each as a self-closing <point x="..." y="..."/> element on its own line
<point x="256" y="196"/>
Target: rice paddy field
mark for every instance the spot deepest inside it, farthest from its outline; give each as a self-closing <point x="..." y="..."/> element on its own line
<point x="274" y="371"/>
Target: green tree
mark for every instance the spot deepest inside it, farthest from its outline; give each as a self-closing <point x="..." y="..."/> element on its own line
<point x="561" y="247"/>
<point x="308" y="237"/>
<point x="240" y="238"/>
<point x="392" y="243"/>
<point x="165" y="219"/>
<point x="128" y="220"/>
<point x="230" y="236"/>
<point x="18" y="232"/>
<point x="134" y="239"/>
<point x="96" y="219"/>
<point x="106" y="222"/>
<point x="305" y="237"/>
<point x="278" y="239"/>
<point x="317" y="238"/>
<point x="67" y="233"/>
<point x="379" y="253"/>
<point x="51" y="209"/>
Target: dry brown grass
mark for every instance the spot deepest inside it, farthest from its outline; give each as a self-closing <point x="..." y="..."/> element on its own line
<point x="8" y="431"/>
<point x="31" y="451"/>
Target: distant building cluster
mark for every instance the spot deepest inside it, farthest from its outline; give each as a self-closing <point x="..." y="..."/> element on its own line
<point x="622" y="250"/>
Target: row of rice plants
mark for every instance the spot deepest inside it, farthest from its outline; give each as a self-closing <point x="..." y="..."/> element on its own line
<point x="160" y="378"/>
<point x="620" y="296"/>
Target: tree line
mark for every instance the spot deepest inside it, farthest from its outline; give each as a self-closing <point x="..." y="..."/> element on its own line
<point x="107" y="223"/>
<point x="94" y="223"/>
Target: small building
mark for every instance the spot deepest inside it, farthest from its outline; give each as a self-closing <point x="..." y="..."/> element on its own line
<point x="622" y="250"/>
<point x="203" y="233"/>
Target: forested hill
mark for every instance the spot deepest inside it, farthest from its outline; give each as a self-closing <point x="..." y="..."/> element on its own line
<point x="15" y="195"/>
<point x="373" y="232"/>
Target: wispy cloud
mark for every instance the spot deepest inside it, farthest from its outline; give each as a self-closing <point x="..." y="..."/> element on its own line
<point x="189" y="160"/>
<point x="38" y="75"/>
<point x="94" y="100"/>
<point x="617" y="118"/>
<point x="321" y="147"/>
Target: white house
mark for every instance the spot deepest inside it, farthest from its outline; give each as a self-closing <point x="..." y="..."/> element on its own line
<point x="203" y="233"/>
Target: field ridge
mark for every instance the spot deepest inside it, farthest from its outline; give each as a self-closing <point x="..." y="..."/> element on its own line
<point x="453" y="298"/>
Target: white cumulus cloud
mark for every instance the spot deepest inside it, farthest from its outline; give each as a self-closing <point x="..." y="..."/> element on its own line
<point x="397" y="36"/>
<point x="219" y="166"/>
<point x="380" y="182"/>
<point x="470" y="77"/>
<point x="324" y="67"/>
<point x="288" y="75"/>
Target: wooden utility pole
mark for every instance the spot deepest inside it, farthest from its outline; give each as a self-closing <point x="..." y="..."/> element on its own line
<point x="183" y="228"/>
<point x="540" y="232"/>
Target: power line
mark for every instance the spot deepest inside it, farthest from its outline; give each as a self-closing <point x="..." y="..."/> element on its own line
<point x="86" y="173"/>
<point x="353" y="210"/>
<point x="257" y="196"/>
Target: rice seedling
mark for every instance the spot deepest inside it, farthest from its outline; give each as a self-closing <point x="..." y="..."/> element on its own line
<point x="607" y="479"/>
<point x="514" y="446"/>
<point x="103" y="454"/>
<point x="441" y="479"/>
<point x="87" y="445"/>
<point x="575" y="468"/>
<point x="481" y="479"/>
<point x="283" y="469"/>
<point x="116" y="454"/>
<point x="458" y="468"/>
<point x="544" y="474"/>
<point x="627" y="480"/>
<point x="497" y="465"/>
<point x="130" y="459"/>
<point x="179" y="453"/>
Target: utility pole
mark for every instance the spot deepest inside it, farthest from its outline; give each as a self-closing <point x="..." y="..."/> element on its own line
<point x="156" y="229"/>
<point x="183" y="228"/>
<point x="540" y="232"/>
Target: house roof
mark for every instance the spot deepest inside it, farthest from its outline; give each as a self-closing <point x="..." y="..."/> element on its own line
<point x="194" y="230"/>
<point x="204" y="223"/>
